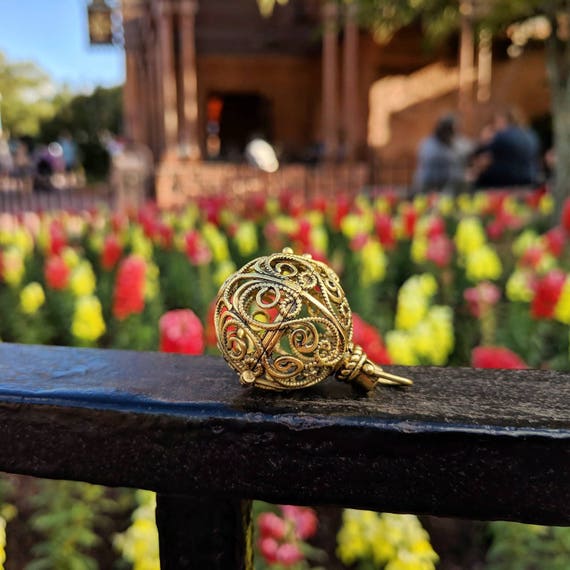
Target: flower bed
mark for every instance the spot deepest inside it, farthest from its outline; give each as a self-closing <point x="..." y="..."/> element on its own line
<point x="480" y="280"/>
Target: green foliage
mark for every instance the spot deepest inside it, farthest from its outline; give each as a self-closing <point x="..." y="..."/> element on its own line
<point x="86" y="117"/>
<point x="68" y="516"/>
<point x="528" y="547"/>
<point x="26" y="92"/>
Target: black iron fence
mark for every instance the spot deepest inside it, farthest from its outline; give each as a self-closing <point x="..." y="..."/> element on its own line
<point x="482" y="444"/>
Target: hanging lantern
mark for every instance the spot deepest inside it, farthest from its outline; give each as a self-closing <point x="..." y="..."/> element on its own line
<point x="100" y="17"/>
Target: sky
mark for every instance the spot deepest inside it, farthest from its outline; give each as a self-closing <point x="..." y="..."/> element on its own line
<point x="54" y="34"/>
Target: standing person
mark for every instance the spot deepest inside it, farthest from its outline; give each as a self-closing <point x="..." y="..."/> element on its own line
<point x="441" y="160"/>
<point x="69" y="149"/>
<point x="511" y="157"/>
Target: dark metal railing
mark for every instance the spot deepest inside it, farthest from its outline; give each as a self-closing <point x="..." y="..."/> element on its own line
<point x="17" y="201"/>
<point x="482" y="444"/>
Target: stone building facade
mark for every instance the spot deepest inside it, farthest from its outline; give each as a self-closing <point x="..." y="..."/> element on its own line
<point x="204" y="76"/>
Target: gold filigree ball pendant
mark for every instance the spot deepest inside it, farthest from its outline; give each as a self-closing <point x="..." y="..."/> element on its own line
<point x="283" y="322"/>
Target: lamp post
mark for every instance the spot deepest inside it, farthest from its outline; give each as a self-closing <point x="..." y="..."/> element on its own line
<point x="100" y="17"/>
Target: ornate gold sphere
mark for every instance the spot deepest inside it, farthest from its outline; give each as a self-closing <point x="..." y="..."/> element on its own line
<point x="283" y="322"/>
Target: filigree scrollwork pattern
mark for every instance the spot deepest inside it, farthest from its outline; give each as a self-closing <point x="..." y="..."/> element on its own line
<point x="283" y="322"/>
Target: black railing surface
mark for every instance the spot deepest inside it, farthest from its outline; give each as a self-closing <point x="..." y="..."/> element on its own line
<point x="483" y="444"/>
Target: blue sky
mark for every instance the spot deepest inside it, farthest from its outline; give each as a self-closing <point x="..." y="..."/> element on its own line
<point x="53" y="33"/>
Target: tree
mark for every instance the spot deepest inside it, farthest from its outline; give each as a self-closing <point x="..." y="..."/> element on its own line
<point x="26" y="97"/>
<point x="86" y="117"/>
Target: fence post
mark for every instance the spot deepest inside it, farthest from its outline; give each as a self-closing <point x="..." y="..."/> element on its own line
<point x="204" y="533"/>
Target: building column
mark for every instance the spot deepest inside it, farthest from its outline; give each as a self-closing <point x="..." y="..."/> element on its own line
<point x="350" y="82"/>
<point x="329" y="81"/>
<point x="484" y="66"/>
<point x="189" y="131"/>
<point x="466" y="63"/>
<point x="168" y="79"/>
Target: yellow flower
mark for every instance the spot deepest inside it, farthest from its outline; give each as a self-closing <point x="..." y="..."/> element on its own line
<point x="546" y="205"/>
<point x="32" y="297"/>
<point x="246" y="238"/>
<point x="151" y="284"/>
<point x="23" y="240"/>
<point x="483" y="264"/>
<point x="351" y="226"/>
<point x="223" y="271"/>
<point x="469" y="235"/>
<point x="562" y="308"/>
<point x="420" y="203"/>
<point x="391" y="541"/>
<point x="382" y="205"/>
<point x="401" y="348"/>
<point x="428" y="284"/>
<point x="419" y="248"/>
<point x="440" y="319"/>
<point x="88" y="324"/>
<point x="480" y="201"/>
<point x="140" y="244"/>
<point x="372" y="263"/>
<point x="13" y="266"/>
<point x="217" y="242"/>
<point x="410" y="311"/>
<point x="527" y="239"/>
<point x="71" y="257"/>
<point x="319" y="239"/>
<point x="518" y="287"/>
<point x="139" y="543"/>
<point x="445" y="204"/>
<point x="466" y="204"/>
<point x="2" y="543"/>
<point x="82" y="280"/>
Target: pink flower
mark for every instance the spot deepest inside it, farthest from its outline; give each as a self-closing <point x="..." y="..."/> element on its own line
<point x="181" y="331"/>
<point x="481" y="297"/>
<point x="385" y="230"/>
<point x="288" y="554"/>
<point x="268" y="547"/>
<point x="440" y="250"/>
<point x="565" y="220"/>
<point x="197" y="249"/>
<point x="272" y="525"/>
<point x="495" y="357"/>
<point x="304" y="520"/>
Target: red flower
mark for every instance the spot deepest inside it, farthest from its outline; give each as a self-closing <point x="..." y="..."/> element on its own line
<point x="495" y="357"/>
<point x="111" y="253"/>
<point x="547" y="293"/>
<point x="370" y="340"/>
<point x="272" y="525"/>
<point x="303" y="234"/>
<point x="385" y="230"/>
<point x="210" y="336"/>
<point x="555" y="241"/>
<point x="532" y="257"/>
<point x="481" y="297"/>
<point x="57" y="239"/>
<point x="565" y="220"/>
<point x="409" y="217"/>
<point x="181" y="331"/>
<point x="440" y="250"/>
<point x="495" y="229"/>
<point x="129" y="287"/>
<point x="197" y="249"/>
<point x="436" y="227"/>
<point x="56" y="272"/>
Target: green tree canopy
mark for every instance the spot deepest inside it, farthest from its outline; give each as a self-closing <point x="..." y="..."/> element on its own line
<point x="27" y="94"/>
